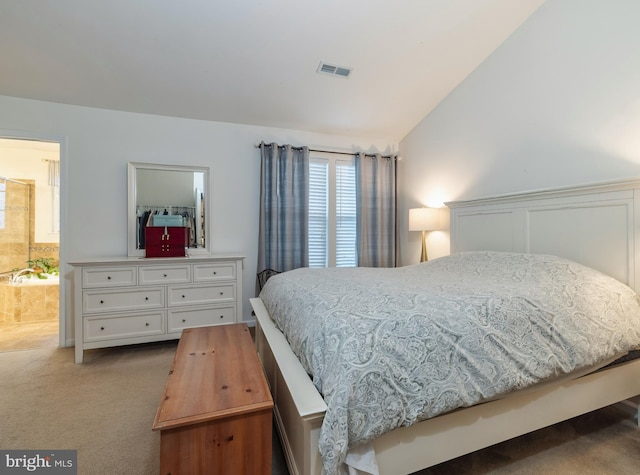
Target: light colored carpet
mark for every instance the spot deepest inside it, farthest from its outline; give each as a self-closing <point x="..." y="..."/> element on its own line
<point x="104" y="409"/>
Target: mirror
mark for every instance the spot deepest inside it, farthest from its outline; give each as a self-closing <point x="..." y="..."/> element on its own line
<point x="170" y="191"/>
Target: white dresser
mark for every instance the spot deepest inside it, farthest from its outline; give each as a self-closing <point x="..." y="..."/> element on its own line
<point x="123" y="301"/>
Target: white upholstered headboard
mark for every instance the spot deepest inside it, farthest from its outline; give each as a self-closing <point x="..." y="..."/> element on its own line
<point x="596" y="225"/>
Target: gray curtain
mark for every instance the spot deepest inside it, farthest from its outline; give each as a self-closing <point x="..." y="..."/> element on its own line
<point x="284" y="210"/>
<point x="376" y="221"/>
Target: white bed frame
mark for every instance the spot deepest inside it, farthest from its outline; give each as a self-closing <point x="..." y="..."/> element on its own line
<point x="597" y="225"/>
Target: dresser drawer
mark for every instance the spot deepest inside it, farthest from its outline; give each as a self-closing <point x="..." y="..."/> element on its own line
<point x="108" y="277"/>
<point x="154" y="275"/>
<point x="131" y="300"/>
<point x="201" y="294"/>
<point x="125" y="326"/>
<point x="213" y="272"/>
<point x="100" y="301"/>
<point x="178" y="319"/>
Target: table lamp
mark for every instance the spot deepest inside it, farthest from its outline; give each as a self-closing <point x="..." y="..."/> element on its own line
<point x="423" y="219"/>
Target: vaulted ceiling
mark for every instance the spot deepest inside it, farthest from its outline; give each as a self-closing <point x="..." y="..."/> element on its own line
<point x="254" y="61"/>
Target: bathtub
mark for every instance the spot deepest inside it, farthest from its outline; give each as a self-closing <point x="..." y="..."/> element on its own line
<point x="50" y="280"/>
<point x="32" y="300"/>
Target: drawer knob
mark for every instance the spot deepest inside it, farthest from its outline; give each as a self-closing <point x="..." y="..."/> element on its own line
<point x="221" y="316"/>
<point x="164" y="275"/>
<point x="146" y="324"/>
<point x="184" y="320"/>
<point x="221" y="293"/>
<point x="183" y="296"/>
<point x="215" y="273"/>
<point x="146" y="298"/>
<point x="101" y="328"/>
<point x="101" y="301"/>
<point x="108" y="277"/>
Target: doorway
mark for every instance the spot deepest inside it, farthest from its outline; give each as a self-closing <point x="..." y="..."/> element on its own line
<point x="30" y="310"/>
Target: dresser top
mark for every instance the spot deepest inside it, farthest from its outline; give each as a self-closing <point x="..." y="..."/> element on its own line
<point x="155" y="260"/>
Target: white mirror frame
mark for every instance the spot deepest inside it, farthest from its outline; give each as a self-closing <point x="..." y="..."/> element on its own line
<point x="132" y="169"/>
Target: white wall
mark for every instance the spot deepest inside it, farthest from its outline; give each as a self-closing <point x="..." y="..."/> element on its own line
<point x="558" y="103"/>
<point x="98" y="144"/>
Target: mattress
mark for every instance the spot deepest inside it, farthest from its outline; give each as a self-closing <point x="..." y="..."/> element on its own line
<point x="390" y="347"/>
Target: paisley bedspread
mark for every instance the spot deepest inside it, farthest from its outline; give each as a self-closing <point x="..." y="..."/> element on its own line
<point x="390" y="347"/>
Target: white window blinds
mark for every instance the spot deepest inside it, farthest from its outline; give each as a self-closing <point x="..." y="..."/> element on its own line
<point x="346" y="214"/>
<point x="332" y="213"/>
<point x="318" y="212"/>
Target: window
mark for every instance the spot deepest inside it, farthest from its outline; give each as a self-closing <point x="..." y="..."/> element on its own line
<point x="55" y="209"/>
<point x="54" y="185"/>
<point x="318" y="213"/>
<point x="346" y="253"/>
<point x="332" y="212"/>
<point x="3" y="186"/>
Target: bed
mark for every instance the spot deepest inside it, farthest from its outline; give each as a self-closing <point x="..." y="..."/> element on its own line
<point x="592" y="225"/>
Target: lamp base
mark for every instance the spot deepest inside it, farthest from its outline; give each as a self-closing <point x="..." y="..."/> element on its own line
<point x="423" y="257"/>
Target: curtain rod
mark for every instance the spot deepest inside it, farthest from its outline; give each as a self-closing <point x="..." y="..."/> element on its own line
<point x="13" y="181"/>
<point x="339" y="153"/>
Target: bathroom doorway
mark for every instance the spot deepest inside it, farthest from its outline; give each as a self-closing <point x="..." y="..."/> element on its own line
<point x="29" y="244"/>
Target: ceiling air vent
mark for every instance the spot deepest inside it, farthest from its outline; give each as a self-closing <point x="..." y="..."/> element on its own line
<point x="338" y="71"/>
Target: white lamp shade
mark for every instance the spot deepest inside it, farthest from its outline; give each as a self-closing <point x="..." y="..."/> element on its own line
<point x="424" y="219"/>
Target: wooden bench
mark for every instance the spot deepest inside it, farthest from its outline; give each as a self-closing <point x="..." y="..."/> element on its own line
<point x="216" y="410"/>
